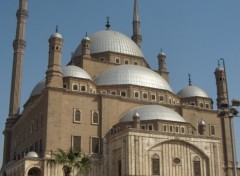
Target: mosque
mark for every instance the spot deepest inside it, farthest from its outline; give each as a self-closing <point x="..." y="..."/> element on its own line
<point x="109" y="103"/>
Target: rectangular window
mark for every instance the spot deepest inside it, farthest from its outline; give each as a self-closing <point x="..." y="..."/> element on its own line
<point x="197" y="168"/>
<point x="83" y="88"/>
<point x="153" y="97"/>
<point x="113" y="93"/>
<point x="123" y="93"/>
<point x="150" y="127"/>
<point x="143" y="127"/>
<point x="165" y="128"/>
<point x="155" y="166"/>
<point x="145" y="95"/>
<point x="136" y="94"/>
<point x="75" y="87"/>
<point x="76" y="143"/>
<point x="95" y="145"/>
<point x="161" y="98"/>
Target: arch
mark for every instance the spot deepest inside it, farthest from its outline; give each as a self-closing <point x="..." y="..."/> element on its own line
<point x="34" y="171"/>
<point x="191" y="147"/>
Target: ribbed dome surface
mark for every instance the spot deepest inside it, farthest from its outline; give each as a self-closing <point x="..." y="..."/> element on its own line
<point x="68" y="71"/>
<point x="109" y="40"/>
<point x="132" y="75"/>
<point x="192" y="91"/>
<point x="152" y="112"/>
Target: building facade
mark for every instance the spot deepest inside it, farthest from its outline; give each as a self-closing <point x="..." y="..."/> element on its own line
<point x="109" y="103"/>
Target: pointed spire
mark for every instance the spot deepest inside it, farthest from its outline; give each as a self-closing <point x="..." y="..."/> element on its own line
<point x="189" y="79"/>
<point x="108" y="23"/>
<point x="56" y="28"/>
<point x="136" y="37"/>
<point x="135" y="12"/>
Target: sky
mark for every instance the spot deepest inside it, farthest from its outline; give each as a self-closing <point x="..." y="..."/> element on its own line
<point x="193" y="34"/>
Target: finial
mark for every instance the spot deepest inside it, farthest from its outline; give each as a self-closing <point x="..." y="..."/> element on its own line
<point x="189" y="79"/>
<point x="108" y="23"/>
<point x="218" y="63"/>
<point x="86" y="34"/>
<point x="56" y="28"/>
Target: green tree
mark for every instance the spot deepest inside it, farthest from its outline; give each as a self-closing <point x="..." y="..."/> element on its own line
<point x="70" y="160"/>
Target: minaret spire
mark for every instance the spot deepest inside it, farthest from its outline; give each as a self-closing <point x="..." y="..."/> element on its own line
<point x="136" y="37"/>
<point x="189" y="79"/>
<point x="19" y="45"/>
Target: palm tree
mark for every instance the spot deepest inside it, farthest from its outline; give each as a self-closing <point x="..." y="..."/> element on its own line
<point x="70" y="160"/>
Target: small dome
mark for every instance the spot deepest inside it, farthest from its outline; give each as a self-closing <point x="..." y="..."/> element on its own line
<point x="74" y="71"/>
<point x="87" y="38"/>
<point x="219" y="69"/>
<point x="56" y="35"/>
<point x="202" y="123"/>
<point x="32" y="154"/>
<point x="68" y="71"/>
<point x="109" y="40"/>
<point x="152" y="112"/>
<point x="38" y="88"/>
<point x="162" y="54"/>
<point x="132" y="75"/>
<point x="192" y="91"/>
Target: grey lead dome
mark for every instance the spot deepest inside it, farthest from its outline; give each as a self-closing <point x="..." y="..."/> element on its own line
<point x="192" y="91"/>
<point x="109" y="40"/>
<point x="132" y="75"/>
<point x="152" y="112"/>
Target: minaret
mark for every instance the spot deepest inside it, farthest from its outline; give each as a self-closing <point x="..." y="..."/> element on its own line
<point x="162" y="66"/>
<point x="86" y="44"/>
<point x="54" y="76"/>
<point x="19" y="45"/>
<point x="136" y="37"/>
<point x="225" y="119"/>
<point x="222" y="94"/>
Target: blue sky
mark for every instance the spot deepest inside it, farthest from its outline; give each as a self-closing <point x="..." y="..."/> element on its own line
<point x="193" y="34"/>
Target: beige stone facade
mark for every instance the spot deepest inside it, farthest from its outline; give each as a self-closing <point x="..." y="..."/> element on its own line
<point x="109" y="103"/>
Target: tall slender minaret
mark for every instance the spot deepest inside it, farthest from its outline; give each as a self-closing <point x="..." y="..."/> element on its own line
<point x="225" y="119"/>
<point x="19" y="45"/>
<point x="136" y="37"/>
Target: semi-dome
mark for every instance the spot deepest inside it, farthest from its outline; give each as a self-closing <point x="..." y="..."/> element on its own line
<point x="132" y="75"/>
<point x="68" y="71"/>
<point x="192" y="91"/>
<point x="152" y="112"/>
<point x="109" y="40"/>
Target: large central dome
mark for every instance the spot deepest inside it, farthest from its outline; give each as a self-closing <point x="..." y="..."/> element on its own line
<point x="109" y="40"/>
<point x="132" y="75"/>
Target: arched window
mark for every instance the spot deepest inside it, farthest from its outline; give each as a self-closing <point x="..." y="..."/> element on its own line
<point x="77" y="115"/>
<point x="155" y="165"/>
<point x="196" y="166"/>
<point x="95" y="118"/>
<point x="212" y="130"/>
